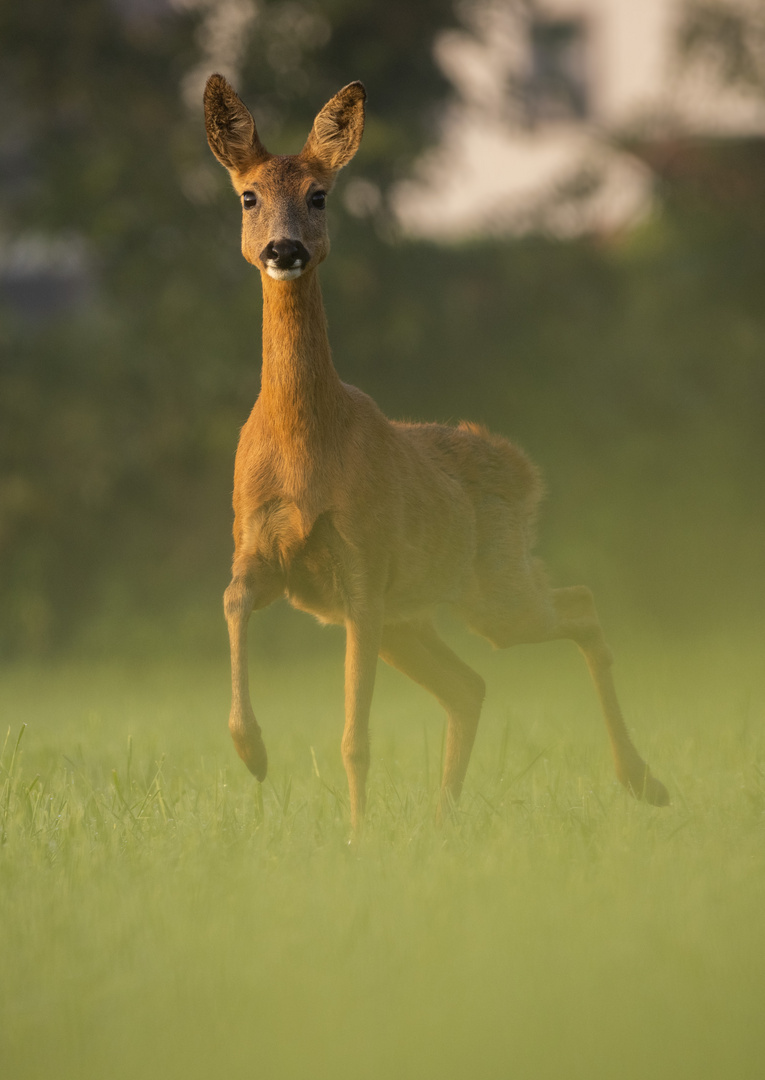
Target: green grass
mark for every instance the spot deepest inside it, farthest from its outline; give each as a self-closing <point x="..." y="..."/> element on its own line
<point x="162" y="915"/>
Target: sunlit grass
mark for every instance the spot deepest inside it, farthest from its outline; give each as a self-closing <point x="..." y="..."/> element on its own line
<point x="163" y="915"/>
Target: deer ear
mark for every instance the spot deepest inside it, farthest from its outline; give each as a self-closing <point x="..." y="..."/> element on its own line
<point x="337" y="130"/>
<point x="230" y="127"/>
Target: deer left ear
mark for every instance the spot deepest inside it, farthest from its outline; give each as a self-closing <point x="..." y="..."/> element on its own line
<point x="230" y="127"/>
<point x="337" y="130"/>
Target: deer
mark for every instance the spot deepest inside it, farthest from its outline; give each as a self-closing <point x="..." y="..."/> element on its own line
<point x="366" y="522"/>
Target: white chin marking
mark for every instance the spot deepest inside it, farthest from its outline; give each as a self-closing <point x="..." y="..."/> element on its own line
<point x="284" y="275"/>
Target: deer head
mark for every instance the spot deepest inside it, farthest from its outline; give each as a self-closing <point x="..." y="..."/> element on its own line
<point x="284" y="229"/>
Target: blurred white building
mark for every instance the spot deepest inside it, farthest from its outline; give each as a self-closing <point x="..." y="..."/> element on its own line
<point x="547" y="94"/>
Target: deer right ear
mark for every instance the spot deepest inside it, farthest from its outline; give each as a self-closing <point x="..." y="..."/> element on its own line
<point x="230" y="127"/>
<point x="337" y="130"/>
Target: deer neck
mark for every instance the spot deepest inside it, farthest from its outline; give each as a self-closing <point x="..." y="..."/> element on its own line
<point x="301" y="392"/>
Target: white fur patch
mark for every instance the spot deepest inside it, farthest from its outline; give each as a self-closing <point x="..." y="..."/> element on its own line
<point x="284" y="275"/>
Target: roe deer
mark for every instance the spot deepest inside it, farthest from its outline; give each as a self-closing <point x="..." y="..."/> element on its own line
<point x="364" y="521"/>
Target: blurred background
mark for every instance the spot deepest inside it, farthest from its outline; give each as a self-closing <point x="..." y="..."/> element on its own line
<point x="555" y="226"/>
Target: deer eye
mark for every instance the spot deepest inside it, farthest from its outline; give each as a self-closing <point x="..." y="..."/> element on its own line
<point x="319" y="200"/>
<point x="249" y="200"/>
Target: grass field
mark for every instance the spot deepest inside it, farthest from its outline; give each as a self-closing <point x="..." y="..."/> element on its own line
<point x="162" y="915"/>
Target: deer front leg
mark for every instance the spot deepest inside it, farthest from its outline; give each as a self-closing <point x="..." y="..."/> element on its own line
<point x="418" y="651"/>
<point x="249" y="589"/>
<point x="363" y="633"/>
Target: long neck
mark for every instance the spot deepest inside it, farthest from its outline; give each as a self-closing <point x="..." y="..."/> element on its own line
<point x="300" y="389"/>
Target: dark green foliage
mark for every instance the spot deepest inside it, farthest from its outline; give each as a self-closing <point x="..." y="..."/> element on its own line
<point x="731" y="35"/>
<point x="633" y="374"/>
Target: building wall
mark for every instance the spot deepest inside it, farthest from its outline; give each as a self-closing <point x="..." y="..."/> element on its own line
<point x="504" y="167"/>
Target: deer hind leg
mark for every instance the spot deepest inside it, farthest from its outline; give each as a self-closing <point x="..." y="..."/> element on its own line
<point x="416" y="650"/>
<point x="578" y="621"/>
<point x="570" y="613"/>
<point x="252" y="586"/>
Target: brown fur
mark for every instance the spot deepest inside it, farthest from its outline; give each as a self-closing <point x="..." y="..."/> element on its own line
<point x="368" y="522"/>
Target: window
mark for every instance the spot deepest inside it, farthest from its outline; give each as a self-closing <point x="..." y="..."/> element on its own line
<point x="556" y="88"/>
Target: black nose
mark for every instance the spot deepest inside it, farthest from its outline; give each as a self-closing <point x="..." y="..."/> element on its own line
<point x="284" y="254"/>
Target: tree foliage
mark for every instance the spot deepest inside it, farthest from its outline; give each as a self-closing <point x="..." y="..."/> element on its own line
<point x="632" y="373"/>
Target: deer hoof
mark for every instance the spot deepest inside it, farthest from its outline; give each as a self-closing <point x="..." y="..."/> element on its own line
<point x="654" y="792"/>
<point x="251" y="749"/>
<point x="644" y="786"/>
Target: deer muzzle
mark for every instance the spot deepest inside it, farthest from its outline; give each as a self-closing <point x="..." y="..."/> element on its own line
<point x="284" y="259"/>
